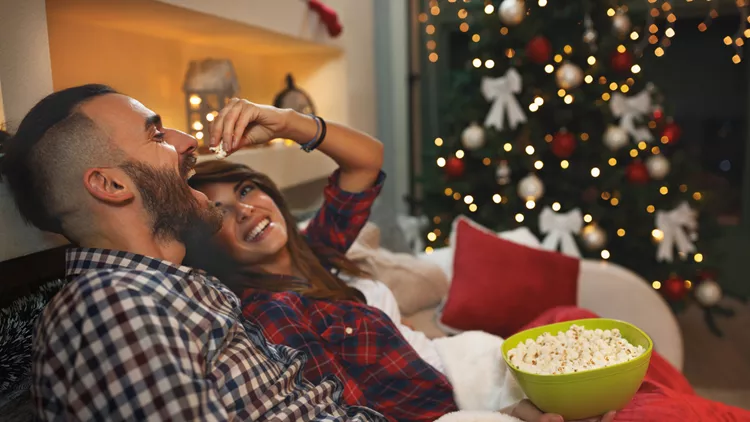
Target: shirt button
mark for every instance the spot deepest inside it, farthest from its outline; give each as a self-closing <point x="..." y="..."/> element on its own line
<point x="349" y="330"/>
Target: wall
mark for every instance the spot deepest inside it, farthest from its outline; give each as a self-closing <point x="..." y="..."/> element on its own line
<point x="342" y="85"/>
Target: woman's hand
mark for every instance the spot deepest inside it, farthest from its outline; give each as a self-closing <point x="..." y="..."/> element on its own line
<point x="527" y="412"/>
<point x="241" y="123"/>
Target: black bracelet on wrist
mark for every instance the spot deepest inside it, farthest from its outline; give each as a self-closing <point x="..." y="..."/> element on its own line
<point x="312" y="145"/>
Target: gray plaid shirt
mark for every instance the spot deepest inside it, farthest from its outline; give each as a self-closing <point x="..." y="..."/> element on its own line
<point x="136" y="338"/>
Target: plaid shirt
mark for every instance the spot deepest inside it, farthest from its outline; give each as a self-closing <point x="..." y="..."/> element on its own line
<point x="137" y="338"/>
<point x="357" y="343"/>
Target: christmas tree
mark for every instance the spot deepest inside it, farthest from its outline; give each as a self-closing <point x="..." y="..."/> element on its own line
<point x="548" y="122"/>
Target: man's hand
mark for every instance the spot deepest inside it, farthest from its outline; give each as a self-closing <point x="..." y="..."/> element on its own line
<point x="527" y="412"/>
<point x="241" y="123"/>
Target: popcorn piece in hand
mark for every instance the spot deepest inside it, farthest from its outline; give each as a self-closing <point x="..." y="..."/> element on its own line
<point x="219" y="151"/>
<point x="575" y="350"/>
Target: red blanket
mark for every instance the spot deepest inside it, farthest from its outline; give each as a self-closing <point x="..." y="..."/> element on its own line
<point x="665" y="395"/>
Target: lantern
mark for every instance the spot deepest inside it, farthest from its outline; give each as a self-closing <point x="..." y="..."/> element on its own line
<point x="209" y="85"/>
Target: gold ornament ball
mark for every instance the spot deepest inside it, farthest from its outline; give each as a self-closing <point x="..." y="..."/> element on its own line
<point x="615" y="138"/>
<point x="512" y="12"/>
<point x="530" y="188"/>
<point x="657" y="166"/>
<point x="594" y="237"/>
<point x="621" y="24"/>
<point x="708" y="293"/>
<point x="473" y="137"/>
<point x="569" y="76"/>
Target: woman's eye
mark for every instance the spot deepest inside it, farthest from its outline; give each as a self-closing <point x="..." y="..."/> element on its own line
<point x="245" y="191"/>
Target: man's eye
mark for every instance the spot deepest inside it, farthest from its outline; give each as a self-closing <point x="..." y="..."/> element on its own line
<point x="159" y="137"/>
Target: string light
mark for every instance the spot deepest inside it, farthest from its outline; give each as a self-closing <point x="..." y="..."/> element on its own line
<point x="539" y="101"/>
<point x="657" y="234"/>
<point x="605" y="254"/>
<point x="568" y="49"/>
<point x="439" y="142"/>
<point x="587" y="218"/>
<point x="588" y="79"/>
<point x="538" y="164"/>
<point x="650" y="209"/>
<point x="698" y="257"/>
<point x="621" y="232"/>
<point x="476" y="37"/>
<point x="614" y="202"/>
<point x="489" y="9"/>
<point x="595" y="172"/>
<point x="464" y="27"/>
<point x="642" y="145"/>
<point x="533" y="107"/>
<point x="542" y="3"/>
<point x="519" y="218"/>
<point x="199" y="135"/>
<point x="584" y="136"/>
<point x="613" y="86"/>
<point x="561" y="92"/>
<point x="556" y="206"/>
<point x="568" y="99"/>
<point x="529" y="149"/>
<point x="460" y="154"/>
<point x="624" y="88"/>
<point x="509" y="53"/>
<point x="612" y="162"/>
<point x="496" y="198"/>
<point x="486" y="161"/>
<point x="435" y="10"/>
<point x="635" y="69"/>
<point x="448" y="192"/>
<point x="591" y="60"/>
<point x="610" y="12"/>
<point x="558" y="58"/>
<point x="606" y="96"/>
<point x="489" y="64"/>
<point x="431" y="237"/>
<point x="477" y="63"/>
<point x="433" y="57"/>
<point x="428" y="250"/>
<point x="634" y="35"/>
<point x="530" y="204"/>
<point x="549" y="68"/>
<point x="462" y="14"/>
<point x="468" y="199"/>
<point x="564" y="164"/>
<point x="508" y="147"/>
<point x="663" y="190"/>
<point x="473" y="207"/>
<point x="456" y="196"/>
<point x="656" y="285"/>
<point x="633" y="152"/>
<point x="697" y="196"/>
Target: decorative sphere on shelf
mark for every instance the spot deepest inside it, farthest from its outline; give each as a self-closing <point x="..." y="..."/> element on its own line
<point x="473" y="137"/>
<point x="594" y="237"/>
<point x="615" y="138"/>
<point x="530" y="188"/>
<point x="539" y="50"/>
<point x="512" y="12"/>
<point x="454" y="167"/>
<point x="658" y="166"/>
<point x="708" y="293"/>
<point x="621" y="24"/>
<point x="563" y="144"/>
<point x="569" y="76"/>
<point x="674" y="288"/>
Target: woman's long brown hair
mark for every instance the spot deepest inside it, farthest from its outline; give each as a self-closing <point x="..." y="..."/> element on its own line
<point x="310" y="262"/>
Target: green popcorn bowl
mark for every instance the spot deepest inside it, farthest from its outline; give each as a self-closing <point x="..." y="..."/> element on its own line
<point x="585" y="394"/>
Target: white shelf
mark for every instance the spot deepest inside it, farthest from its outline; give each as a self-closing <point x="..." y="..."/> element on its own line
<point x="287" y="166"/>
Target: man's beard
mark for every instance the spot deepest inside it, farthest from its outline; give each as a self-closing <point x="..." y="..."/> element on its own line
<point x="175" y="213"/>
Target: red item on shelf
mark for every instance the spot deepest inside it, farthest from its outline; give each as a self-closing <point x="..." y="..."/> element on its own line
<point x="328" y="16"/>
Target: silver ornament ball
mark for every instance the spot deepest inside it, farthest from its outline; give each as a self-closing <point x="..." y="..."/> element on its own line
<point x="615" y="138"/>
<point x="658" y="166"/>
<point x="621" y="24"/>
<point x="512" y="12"/>
<point x="594" y="237"/>
<point x="569" y="76"/>
<point x="473" y="137"/>
<point x="708" y="292"/>
<point x="502" y="173"/>
<point x="590" y="36"/>
<point x="530" y="188"/>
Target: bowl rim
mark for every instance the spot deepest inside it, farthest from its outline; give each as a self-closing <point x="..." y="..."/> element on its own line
<point x="637" y="362"/>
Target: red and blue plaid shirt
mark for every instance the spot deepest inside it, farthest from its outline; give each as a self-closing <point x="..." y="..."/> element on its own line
<point x="356" y="343"/>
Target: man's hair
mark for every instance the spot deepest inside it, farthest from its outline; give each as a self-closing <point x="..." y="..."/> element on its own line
<point x="46" y="158"/>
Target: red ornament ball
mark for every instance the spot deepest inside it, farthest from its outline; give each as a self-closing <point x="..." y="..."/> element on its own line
<point x="674" y="289"/>
<point x="658" y="115"/>
<point x="454" y="167"/>
<point x="671" y="133"/>
<point x="637" y="173"/>
<point x="539" y="50"/>
<point x="563" y="144"/>
<point x="622" y="62"/>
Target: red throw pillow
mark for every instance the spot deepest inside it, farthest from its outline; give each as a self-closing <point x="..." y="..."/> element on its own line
<point x="499" y="286"/>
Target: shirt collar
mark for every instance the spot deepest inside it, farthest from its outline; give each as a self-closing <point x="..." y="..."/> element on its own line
<point x="80" y="260"/>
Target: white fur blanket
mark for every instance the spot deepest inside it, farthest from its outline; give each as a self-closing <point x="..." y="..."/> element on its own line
<point x="481" y="380"/>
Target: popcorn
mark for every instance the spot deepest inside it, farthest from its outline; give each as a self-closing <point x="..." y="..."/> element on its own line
<point x="575" y="350"/>
<point x="219" y="151"/>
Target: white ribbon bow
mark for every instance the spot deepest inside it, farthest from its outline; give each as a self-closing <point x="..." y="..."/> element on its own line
<point x="560" y="228"/>
<point x="628" y="109"/>
<point x="501" y="90"/>
<point x="673" y="224"/>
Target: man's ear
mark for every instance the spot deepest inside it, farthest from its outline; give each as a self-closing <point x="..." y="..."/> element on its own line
<point x="110" y="185"/>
